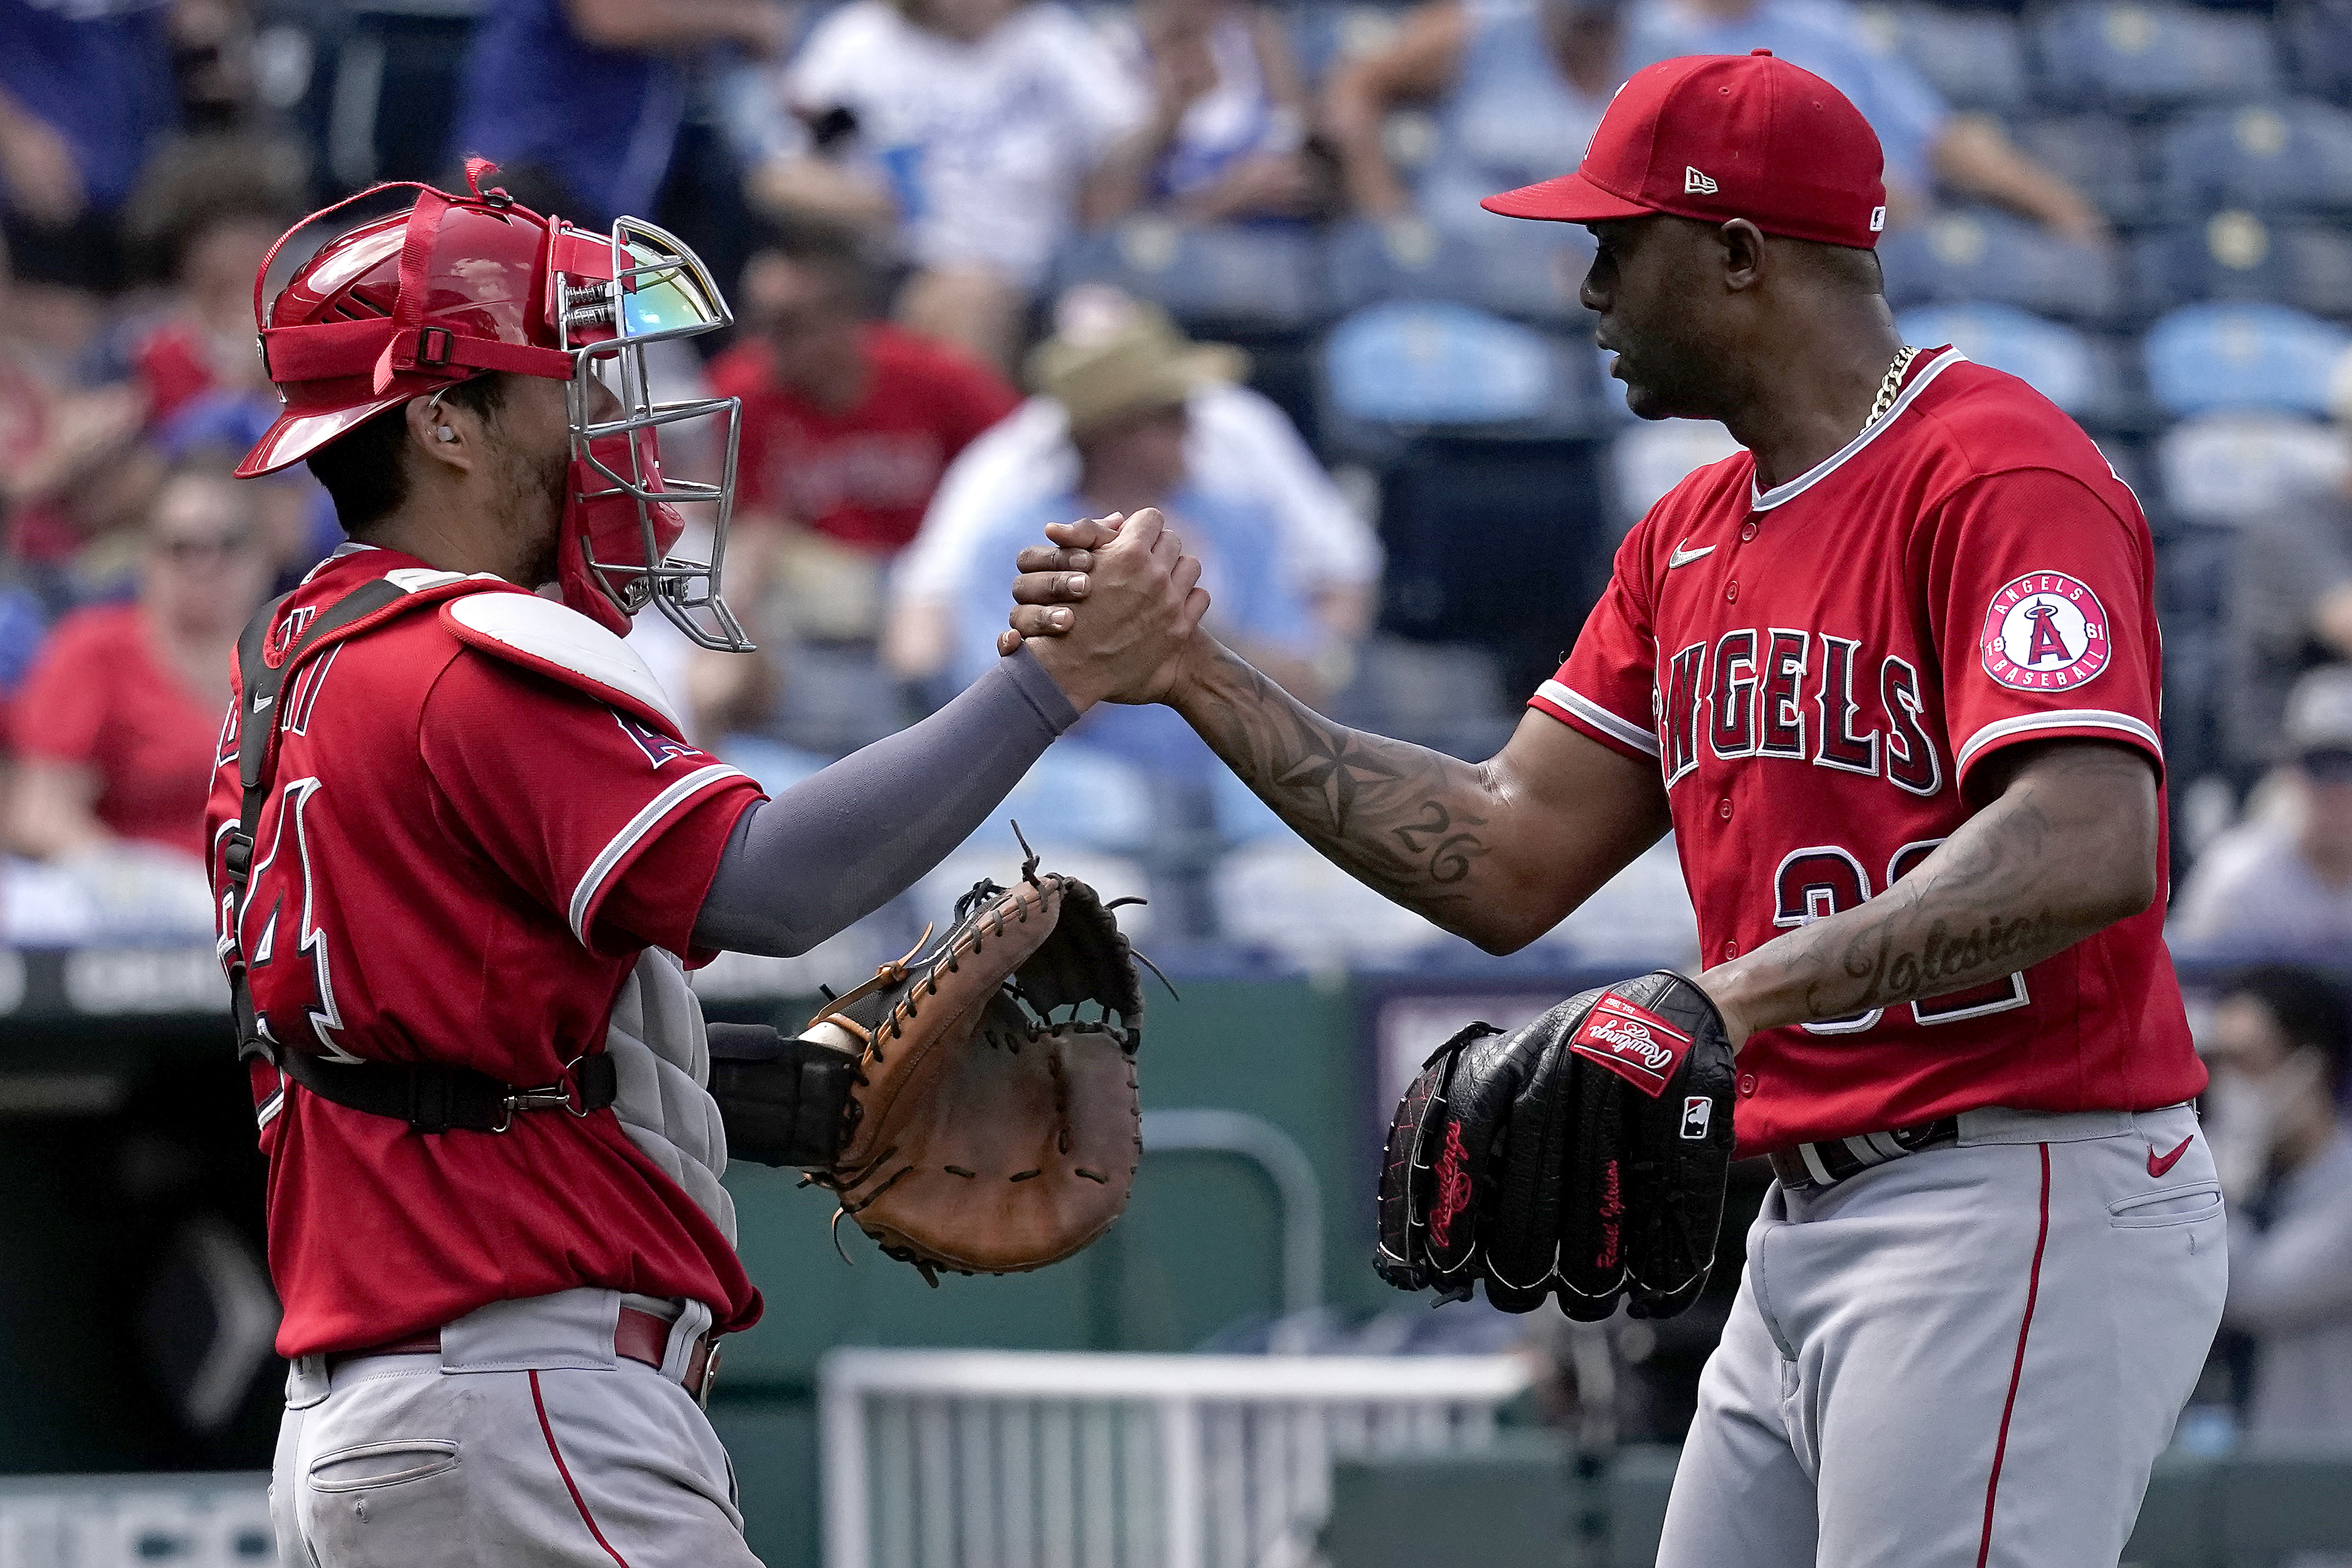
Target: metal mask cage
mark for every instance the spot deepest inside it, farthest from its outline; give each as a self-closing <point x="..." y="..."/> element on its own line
<point x="659" y="291"/>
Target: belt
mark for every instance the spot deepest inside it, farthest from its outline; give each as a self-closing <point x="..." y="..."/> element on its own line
<point x="639" y="1335"/>
<point x="1810" y="1167"/>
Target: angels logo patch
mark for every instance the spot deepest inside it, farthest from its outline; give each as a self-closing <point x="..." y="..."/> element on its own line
<point x="1633" y="1043"/>
<point x="2046" y="631"/>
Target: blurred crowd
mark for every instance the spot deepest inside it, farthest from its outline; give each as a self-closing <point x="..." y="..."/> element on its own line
<point x="980" y="252"/>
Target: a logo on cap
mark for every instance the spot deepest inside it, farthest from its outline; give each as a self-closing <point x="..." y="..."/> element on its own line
<point x="1696" y="183"/>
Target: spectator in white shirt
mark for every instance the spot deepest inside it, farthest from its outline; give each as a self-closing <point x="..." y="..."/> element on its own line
<point x="974" y="126"/>
<point x="1238" y="445"/>
<point x="1228" y="130"/>
<point x="2276" y="1047"/>
<point x="2282" y="881"/>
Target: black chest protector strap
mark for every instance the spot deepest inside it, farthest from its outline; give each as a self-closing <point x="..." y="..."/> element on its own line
<point x="430" y="1098"/>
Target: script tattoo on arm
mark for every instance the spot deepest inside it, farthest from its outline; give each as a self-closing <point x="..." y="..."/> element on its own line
<point x="2066" y="850"/>
<point x="1405" y="820"/>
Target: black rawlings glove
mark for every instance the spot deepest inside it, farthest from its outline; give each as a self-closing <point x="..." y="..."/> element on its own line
<point x="1582" y="1157"/>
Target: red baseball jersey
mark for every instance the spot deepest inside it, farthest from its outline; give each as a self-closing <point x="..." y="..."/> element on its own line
<point x="460" y="863"/>
<point x="1821" y="670"/>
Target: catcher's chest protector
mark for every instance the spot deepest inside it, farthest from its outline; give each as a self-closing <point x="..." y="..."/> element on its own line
<point x="989" y="1138"/>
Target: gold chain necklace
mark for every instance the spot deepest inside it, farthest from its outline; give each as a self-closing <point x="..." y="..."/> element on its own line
<point x="1890" y="386"/>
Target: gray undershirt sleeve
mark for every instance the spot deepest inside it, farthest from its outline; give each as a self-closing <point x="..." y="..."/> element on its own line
<point x="838" y="845"/>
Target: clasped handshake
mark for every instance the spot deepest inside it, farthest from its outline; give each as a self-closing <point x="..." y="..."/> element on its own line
<point x="1110" y="607"/>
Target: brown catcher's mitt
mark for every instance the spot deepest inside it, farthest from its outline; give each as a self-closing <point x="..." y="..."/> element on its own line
<point x="993" y="1128"/>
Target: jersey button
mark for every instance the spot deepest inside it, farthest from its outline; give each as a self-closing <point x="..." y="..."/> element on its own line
<point x="1746" y="533"/>
<point x="1730" y="951"/>
<point x="1731" y="593"/>
<point x="1723" y="810"/>
<point x="1747" y="1083"/>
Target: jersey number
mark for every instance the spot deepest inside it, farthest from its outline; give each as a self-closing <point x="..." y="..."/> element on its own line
<point x="280" y="915"/>
<point x="1812" y="882"/>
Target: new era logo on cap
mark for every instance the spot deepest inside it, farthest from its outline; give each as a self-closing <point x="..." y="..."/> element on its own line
<point x="1716" y="137"/>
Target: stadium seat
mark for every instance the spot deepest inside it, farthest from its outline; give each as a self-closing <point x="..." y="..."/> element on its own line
<point x="2057" y="361"/>
<point x="2204" y="358"/>
<point x="1280" y="895"/>
<point x="2293" y="156"/>
<point x="1975" y="58"/>
<point x="1653" y="456"/>
<point x="2228" y="469"/>
<point x="2235" y="255"/>
<point x="2319" y="46"/>
<point x="2135" y="57"/>
<point x="1432" y="362"/>
<point x="1325" y="35"/>
<point x="1979" y="256"/>
<point x="1526" y="270"/>
<point x="1447" y="696"/>
<point x="2107" y="159"/>
<point x="1504" y="543"/>
<point x="1262" y="276"/>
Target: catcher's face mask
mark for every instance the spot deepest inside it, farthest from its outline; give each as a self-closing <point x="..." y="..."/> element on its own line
<point x="460" y="285"/>
<point x="621" y="523"/>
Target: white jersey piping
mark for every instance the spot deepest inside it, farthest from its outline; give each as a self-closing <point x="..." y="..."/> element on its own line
<point x="1599" y="717"/>
<point x="2060" y="718"/>
<point x="641" y="824"/>
<point x="1765" y="500"/>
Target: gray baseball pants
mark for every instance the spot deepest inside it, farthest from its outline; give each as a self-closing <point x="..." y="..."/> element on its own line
<point x="526" y="1442"/>
<point x="1966" y="1358"/>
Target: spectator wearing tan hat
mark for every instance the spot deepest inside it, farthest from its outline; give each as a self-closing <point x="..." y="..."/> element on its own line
<point x="1125" y="395"/>
<point x="2282" y="881"/>
<point x="1239" y="448"/>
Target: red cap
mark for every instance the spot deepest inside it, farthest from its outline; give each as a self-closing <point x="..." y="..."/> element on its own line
<point x="1725" y="136"/>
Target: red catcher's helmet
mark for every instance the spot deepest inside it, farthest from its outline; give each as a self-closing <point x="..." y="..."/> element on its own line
<point x="459" y="286"/>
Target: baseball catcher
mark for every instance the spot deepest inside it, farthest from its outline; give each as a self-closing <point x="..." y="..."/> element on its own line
<point x="1582" y="1157"/>
<point x="465" y="853"/>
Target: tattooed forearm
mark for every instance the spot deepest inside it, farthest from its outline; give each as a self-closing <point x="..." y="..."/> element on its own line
<point x="2066" y="850"/>
<point x="1407" y="821"/>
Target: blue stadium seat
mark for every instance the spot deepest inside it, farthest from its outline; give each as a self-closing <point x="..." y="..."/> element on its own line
<point x="2236" y="256"/>
<point x="2319" y="45"/>
<point x="1325" y="35"/>
<point x="2107" y="159"/>
<point x="1979" y="256"/>
<point x="2057" y="361"/>
<point x="2208" y="357"/>
<point x="1262" y="276"/>
<point x="2229" y="468"/>
<point x="1526" y="270"/>
<point x="2295" y="156"/>
<point x="1975" y="58"/>
<point x="1421" y="363"/>
<point x="2122" y="55"/>
<point x="1652" y="456"/>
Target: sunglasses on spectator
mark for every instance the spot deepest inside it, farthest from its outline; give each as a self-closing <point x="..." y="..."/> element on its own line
<point x="2332" y="766"/>
<point x="188" y="550"/>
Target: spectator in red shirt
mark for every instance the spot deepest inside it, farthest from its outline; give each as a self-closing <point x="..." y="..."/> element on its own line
<point x="847" y="426"/>
<point x="115" y="727"/>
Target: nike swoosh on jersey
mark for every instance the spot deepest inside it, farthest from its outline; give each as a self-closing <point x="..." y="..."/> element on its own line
<point x="2160" y="1164"/>
<point x="1682" y="557"/>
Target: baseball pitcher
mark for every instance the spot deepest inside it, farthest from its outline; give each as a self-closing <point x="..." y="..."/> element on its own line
<point x="1890" y="676"/>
